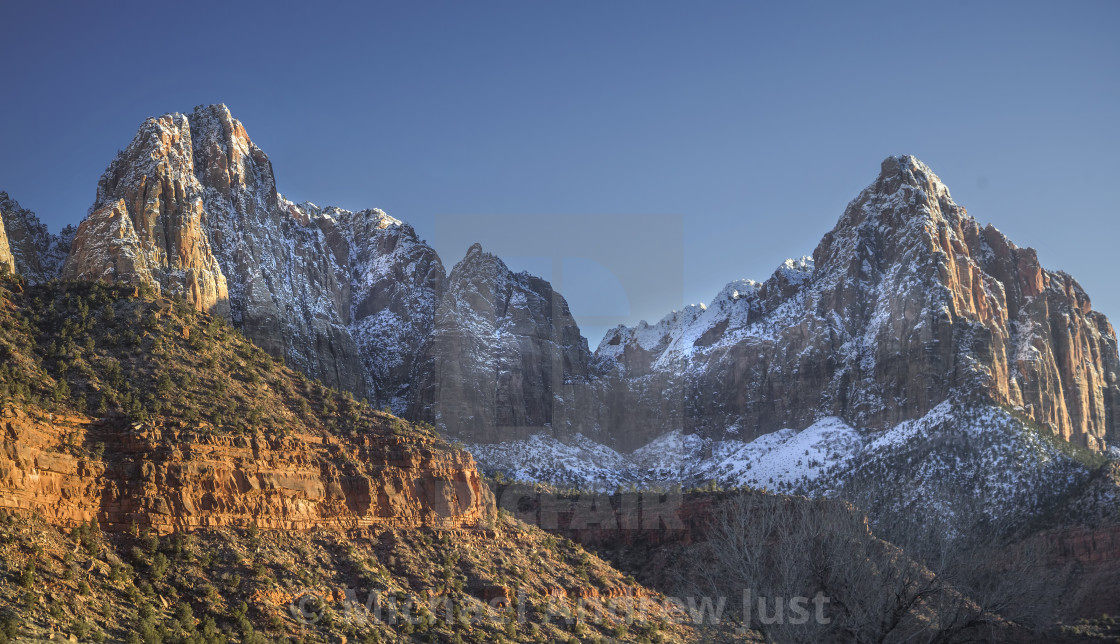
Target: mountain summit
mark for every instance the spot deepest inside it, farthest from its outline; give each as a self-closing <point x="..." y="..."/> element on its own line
<point x="907" y="302"/>
<point x="190" y="207"/>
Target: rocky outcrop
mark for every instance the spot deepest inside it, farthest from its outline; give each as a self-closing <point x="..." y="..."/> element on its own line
<point x="171" y="479"/>
<point x="505" y="358"/>
<point x="906" y="301"/>
<point x="396" y="281"/>
<point x="350" y="298"/>
<point x="111" y="249"/>
<point x="38" y="255"/>
<point x="344" y="297"/>
<point x="7" y="262"/>
<point x="287" y="292"/>
<point x="151" y="183"/>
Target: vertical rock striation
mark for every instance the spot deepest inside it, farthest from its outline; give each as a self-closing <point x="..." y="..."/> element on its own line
<point x="505" y="358"/>
<point x="344" y="297"/>
<point x="907" y="301"/>
<point x="7" y="262"/>
<point x="396" y="281"/>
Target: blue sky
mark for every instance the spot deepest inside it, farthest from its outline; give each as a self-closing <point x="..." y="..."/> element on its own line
<point x="738" y="130"/>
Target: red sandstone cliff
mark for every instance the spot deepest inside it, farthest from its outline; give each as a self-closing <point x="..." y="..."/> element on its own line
<point x="171" y="478"/>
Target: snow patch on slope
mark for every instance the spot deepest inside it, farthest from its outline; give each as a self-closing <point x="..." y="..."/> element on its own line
<point x="954" y="456"/>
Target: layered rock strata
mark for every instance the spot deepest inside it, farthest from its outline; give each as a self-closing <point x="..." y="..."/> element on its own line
<point x="170" y="479"/>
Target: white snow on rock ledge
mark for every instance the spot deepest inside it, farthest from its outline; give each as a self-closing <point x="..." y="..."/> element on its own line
<point x="785" y="458"/>
<point x="1010" y="469"/>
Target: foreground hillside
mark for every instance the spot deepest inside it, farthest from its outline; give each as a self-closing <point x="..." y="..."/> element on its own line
<point x="162" y="479"/>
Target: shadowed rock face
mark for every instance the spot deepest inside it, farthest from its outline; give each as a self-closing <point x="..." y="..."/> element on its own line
<point x="906" y="300"/>
<point x="396" y="282"/>
<point x="505" y="358"/>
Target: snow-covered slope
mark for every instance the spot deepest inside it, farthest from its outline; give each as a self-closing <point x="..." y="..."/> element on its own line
<point x="395" y="283"/>
<point x="959" y="459"/>
<point x="734" y="315"/>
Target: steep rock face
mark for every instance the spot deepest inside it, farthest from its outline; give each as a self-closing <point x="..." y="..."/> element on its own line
<point x="907" y="300"/>
<point x="38" y="255"/>
<point x="7" y="262"/>
<point x="208" y="225"/>
<point x="170" y="480"/>
<point x="285" y="288"/>
<point x="344" y="297"/>
<point x="396" y="281"/>
<point x="505" y="358"/>
<point x="111" y="249"/>
<point x="151" y="183"/>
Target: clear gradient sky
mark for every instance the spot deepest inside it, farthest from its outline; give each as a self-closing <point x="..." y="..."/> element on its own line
<point x="747" y="126"/>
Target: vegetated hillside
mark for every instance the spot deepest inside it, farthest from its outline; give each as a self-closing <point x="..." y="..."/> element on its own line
<point x="510" y="583"/>
<point x="163" y="479"/>
<point x="117" y="352"/>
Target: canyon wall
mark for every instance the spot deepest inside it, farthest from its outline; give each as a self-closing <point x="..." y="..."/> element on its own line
<point x="74" y="469"/>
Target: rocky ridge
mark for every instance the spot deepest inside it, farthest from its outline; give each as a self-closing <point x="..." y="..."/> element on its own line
<point x="38" y="254"/>
<point x="345" y="297"/>
<point x="167" y="479"/>
<point x="396" y="281"/>
<point x="505" y="358"/>
<point x="7" y="262"/>
<point x="191" y="209"/>
<point x="905" y="303"/>
<point x="119" y="407"/>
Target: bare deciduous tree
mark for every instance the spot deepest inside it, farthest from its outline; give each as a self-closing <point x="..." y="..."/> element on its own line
<point x="932" y="587"/>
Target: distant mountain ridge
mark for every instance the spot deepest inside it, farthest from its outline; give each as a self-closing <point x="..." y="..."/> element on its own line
<point x="907" y="303"/>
